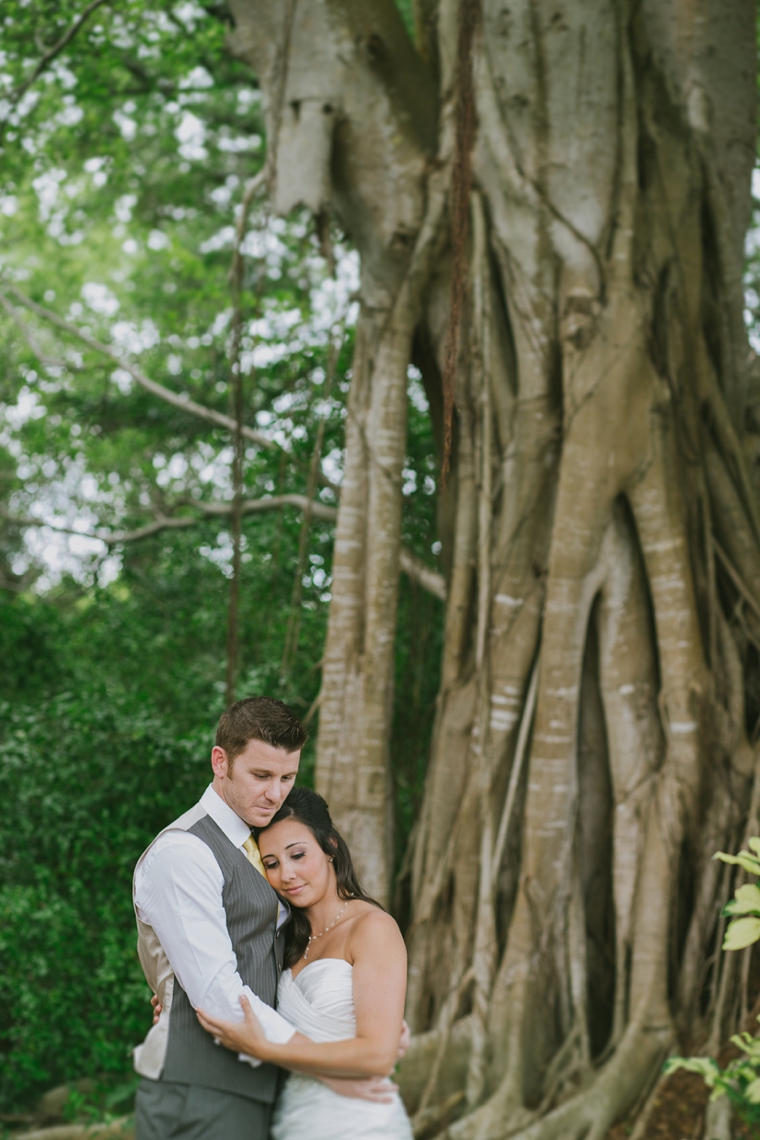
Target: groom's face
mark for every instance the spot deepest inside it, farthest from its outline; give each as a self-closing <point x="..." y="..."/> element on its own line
<point x="257" y="782"/>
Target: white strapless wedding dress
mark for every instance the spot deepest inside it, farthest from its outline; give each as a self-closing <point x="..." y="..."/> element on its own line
<point x="319" y="1001"/>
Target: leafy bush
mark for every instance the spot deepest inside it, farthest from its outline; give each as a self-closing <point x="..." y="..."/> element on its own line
<point x="740" y="1080"/>
<point x="744" y="908"/>
<point x="85" y="781"/>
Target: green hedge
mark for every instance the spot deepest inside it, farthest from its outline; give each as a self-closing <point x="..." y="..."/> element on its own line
<point x="86" y="781"/>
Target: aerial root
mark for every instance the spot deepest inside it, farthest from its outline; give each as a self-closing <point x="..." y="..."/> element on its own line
<point x="588" y="1114"/>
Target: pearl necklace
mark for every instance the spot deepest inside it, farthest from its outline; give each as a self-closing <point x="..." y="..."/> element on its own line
<point x="314" y="937"/>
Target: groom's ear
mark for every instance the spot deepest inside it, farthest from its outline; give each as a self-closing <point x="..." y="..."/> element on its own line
<point x="219" y="761"/>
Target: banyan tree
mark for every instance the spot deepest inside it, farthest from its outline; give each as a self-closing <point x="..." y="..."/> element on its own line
<point x="550" y="199"/>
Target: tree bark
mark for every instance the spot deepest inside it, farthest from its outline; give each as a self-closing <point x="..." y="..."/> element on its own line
<point x="601" y="535"/>
<point x="355" y="131"/>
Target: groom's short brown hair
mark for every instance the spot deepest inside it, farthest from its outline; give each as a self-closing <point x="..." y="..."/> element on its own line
<point x="259" y="718"/>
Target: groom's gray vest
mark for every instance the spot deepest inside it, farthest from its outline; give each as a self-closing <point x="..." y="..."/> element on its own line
<point x="189" y="1055"/>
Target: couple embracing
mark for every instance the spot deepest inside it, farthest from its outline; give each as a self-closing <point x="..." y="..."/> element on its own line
<point x="265" y="955"/>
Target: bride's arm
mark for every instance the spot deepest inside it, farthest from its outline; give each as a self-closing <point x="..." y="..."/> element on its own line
<point x="379" y="987"/>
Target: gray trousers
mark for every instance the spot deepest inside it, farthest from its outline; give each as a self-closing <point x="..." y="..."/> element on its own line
<point x="167" y="1110"/>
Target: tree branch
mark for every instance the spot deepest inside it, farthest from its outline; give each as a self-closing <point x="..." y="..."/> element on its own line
<point x="735" y="577"/>
<point x="411" y="564"/>
<point x="55" y="50"/>
<point x="15" y="588"/>
<point x="237" y="394"/>
<point x="168" y="522"/>
<point x="420" y="572"/>
<point x="293" y="629"/>
<point x="31" y="520"/>
<point x="184" y="403"/>
<point x="28" y="336"/>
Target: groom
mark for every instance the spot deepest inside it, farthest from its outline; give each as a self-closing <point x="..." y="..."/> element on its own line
<point x="209" y="930"/>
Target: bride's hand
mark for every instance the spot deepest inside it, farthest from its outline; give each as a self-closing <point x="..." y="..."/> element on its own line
<point x="244" y="1036"/>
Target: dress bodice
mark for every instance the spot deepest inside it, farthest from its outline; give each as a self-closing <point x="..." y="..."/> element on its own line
<point x="319" y="1002"/>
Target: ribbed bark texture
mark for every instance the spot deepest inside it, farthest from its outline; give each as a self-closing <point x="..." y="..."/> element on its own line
<point x="575" y="177"/>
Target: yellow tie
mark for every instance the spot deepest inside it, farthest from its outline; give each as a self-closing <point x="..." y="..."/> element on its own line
<point x="251" y="849"/>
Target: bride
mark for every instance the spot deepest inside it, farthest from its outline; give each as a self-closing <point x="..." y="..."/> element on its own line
<point x="344" y="986"/>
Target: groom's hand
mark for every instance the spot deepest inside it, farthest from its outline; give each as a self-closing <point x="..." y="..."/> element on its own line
<point x="157" y="1007"/>
<point x="378" y="1090"/>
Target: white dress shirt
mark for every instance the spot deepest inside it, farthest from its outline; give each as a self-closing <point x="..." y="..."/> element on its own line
<point x="178" y="892"/>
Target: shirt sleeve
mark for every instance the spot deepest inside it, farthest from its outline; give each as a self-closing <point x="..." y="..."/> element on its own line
<point x="179" y="894"/>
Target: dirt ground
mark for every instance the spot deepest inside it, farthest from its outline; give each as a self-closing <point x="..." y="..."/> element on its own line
<point x="678" y="1113"/>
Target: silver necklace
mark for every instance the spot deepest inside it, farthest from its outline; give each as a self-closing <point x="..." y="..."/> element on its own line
<point x="314" y="937"/>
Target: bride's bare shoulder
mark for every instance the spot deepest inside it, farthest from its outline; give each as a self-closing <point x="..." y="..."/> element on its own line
<point x="373" y="925"/>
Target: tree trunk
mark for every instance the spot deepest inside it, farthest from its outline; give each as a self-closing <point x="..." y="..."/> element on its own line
<point x="591" y="746"/>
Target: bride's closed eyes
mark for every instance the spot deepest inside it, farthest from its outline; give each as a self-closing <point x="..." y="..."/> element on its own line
<point x="271" y="864"/>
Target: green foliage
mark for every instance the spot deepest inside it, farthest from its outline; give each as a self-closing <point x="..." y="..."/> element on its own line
<point x="744" y="930"/>
<point x="740" y="1080"/>
<point x="419" y="636"/>
<point x="86" y="780"/>
<point x="406" y="8"/>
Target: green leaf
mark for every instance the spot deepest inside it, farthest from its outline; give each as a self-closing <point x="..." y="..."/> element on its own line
<point x="749" y="893"/>
<point x="752" y="1091"/>
<point x="754" y="843"/>
<point x="749" y="1045"/>
<point x="734" y="908"/>
<point x="742" y="932"/>
<point x="745" y="901"/>
<point x="705" y="1066"/>
<point x="744" y="860"/>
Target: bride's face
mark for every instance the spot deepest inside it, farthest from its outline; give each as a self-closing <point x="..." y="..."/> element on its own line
<point x="296" y="865"/>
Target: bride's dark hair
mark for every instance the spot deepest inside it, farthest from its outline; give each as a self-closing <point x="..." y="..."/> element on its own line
<point x="307" y="807"/>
